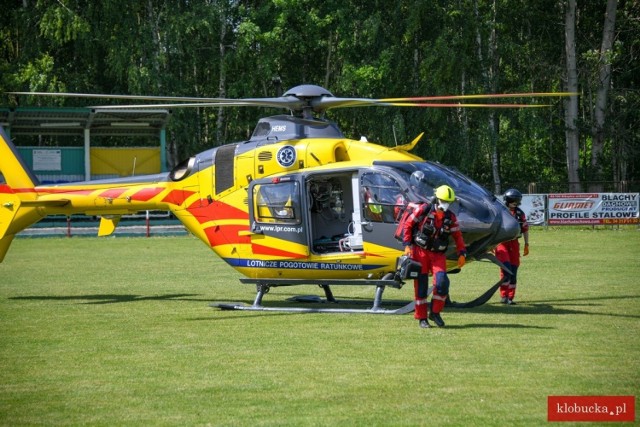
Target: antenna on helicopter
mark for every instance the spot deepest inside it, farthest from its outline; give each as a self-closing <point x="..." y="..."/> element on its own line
<point x="395" y="138"/>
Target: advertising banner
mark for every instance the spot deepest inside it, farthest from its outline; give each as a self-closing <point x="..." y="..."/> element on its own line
<point x="533" y="207"/>
<point x="593" y="209"/>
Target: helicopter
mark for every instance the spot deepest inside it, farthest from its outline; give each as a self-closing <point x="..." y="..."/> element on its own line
<point x="298" y="203"/>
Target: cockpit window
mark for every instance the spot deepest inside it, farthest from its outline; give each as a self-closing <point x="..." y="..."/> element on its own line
<point x="278" y="202"/>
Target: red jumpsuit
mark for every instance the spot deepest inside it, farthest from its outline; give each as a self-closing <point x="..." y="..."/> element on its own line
<point x="433" y="261"/>
<point x="508" y="253"/>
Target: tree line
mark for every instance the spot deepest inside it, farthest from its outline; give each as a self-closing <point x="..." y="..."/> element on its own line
<point x="362" y="48"/>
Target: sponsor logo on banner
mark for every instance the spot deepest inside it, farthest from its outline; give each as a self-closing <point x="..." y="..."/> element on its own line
<point x="593" y="208"/>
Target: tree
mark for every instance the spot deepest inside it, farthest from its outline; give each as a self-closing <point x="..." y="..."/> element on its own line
<point x="571" y="105"/>
<point x="375" y="48"/>
<point x="605" y="57"/>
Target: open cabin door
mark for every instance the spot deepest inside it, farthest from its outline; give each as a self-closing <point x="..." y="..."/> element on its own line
<point x="333" y="217"/>
<point x="350" y="210"/>
<point x="277" y="220"/>
<point x="381" y="204"/>
<point x="322" y="213"/>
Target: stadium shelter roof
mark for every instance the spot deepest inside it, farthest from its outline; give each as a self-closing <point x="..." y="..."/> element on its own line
<point x="75" y="121"/>
<point x="87" y="123"/>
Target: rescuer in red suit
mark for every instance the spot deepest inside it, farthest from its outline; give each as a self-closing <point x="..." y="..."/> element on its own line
<point x="509" y="252"/>
<point x="425" y="237"/>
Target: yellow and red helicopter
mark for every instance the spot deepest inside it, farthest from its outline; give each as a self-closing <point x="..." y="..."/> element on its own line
<point x="297" y="203"/>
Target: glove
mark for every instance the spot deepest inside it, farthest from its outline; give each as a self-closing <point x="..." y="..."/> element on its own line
<point x="525" y="252"/>
<point x="407" y="250"/>
<point x="462" y="259"/>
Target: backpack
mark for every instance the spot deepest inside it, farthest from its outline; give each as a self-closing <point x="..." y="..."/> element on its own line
<point x="404" y="215"/>
<point x="426" y="236"/>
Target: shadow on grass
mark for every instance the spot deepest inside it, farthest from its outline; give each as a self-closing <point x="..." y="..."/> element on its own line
<point x="543" y="307"/>
<point x="110" y="298"/>
<point x="568" y="306"/>
<point x="495" y="326"/>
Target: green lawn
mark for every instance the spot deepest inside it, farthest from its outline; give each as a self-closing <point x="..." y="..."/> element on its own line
<point x="118" y="331"/>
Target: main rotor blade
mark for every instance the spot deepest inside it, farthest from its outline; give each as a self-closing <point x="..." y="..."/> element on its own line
<point x="320" y="106"/>
<point x="292" y="104"/>
<point x="480" y="96"/>
<point x="318" y="102"/>
<point x="178" y="101"/>
<point x="130" y="97"/>
<point x="332" y="102"/>
<point x="460" y="105"/>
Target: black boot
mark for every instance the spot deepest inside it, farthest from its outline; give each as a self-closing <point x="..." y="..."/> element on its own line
<point x="436" y="319"/>
<point x="424" y="323"/>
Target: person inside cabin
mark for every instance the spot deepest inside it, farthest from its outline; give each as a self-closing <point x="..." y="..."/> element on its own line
<point x="373" y="208"/>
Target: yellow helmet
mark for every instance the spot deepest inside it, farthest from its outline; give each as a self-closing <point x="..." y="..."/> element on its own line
<point x="445" y="193"/>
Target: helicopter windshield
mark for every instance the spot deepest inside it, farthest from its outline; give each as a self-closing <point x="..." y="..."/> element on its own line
<point x="424" y="177"/>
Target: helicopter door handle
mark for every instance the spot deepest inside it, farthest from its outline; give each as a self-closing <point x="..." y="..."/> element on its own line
<point x="242" y="233"/>
<point x="367" y="225"/>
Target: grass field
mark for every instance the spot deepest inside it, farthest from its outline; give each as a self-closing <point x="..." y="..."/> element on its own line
<point x="118" y="332"/>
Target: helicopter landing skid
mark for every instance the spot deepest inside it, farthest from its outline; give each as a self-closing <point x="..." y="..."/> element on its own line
<point x="263" y="286"/>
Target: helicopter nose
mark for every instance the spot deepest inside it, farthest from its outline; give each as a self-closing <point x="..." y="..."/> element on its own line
<point x="485" y="223"/>
<point x="509" y="228"/>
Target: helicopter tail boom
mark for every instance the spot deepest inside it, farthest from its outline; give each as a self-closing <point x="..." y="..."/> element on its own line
<point x="23" y="202"/>
<point x="17" y="194"/>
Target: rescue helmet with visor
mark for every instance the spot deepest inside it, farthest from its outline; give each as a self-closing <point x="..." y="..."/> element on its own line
<point x="417" y="180"/>
<point x="445" y="196"/>
<point x="512" y="196"/>
<point x="419" y="186"/>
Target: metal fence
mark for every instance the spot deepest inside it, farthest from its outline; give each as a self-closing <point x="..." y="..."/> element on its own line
<point x="144" y="224"/>
<point x="542" y="187"/>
